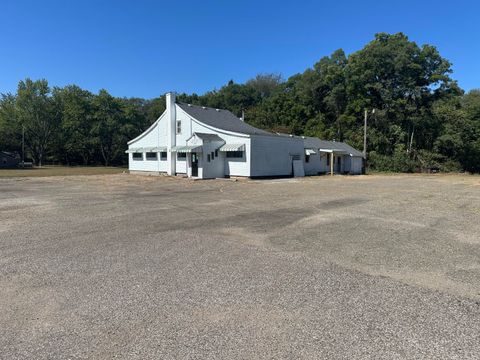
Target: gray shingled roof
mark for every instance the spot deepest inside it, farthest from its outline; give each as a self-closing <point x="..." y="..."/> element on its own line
<point x="310" y="142"/>
<point x="221" y="119"/>
<point x="316" y="143"/>
<point x="209" y="137"/>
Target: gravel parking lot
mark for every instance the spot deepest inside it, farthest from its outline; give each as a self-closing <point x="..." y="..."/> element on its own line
<point x="134" y="267"/>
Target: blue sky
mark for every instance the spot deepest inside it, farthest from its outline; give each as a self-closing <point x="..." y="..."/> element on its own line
<point x="145" y="48"/>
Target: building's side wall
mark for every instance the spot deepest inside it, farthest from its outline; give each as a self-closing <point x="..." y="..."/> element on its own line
<point x="272" y="155"/>
<point x="314" y="165"/>
<point x="323" y="163"/>
<point x="182" y="137"/>
<point x="153" y="137"/>
<point x="356" y="165"/>
<point x="347" y="164"/>
<point x="216" y="167"/>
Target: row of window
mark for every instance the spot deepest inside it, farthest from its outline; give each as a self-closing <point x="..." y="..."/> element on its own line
<point x="150" y="156"/>
<point x="182" y="156"/>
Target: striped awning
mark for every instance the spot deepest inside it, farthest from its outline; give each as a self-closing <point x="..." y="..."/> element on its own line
<point x="159" y="149"/>
<point x="134" y="150"/>
<point x="187" y="149"/>
<point x="310" y="152"/>
<point x="233" y="147"/>
<point x="147" y="149"/>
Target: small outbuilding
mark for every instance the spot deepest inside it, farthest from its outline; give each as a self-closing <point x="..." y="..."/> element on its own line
<point x="9" y="159"/>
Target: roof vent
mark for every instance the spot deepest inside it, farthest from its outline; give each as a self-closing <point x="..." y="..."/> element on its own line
<point x="204" y="108"/>
<point x="190" y="105"/>
<point x="291" y="135"/>
<point x="218" y="110"/>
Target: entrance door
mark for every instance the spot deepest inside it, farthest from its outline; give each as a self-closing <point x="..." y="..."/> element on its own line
<point x="194" y="164"/>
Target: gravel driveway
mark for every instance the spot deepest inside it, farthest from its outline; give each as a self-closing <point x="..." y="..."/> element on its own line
<point x="134" y="267"/>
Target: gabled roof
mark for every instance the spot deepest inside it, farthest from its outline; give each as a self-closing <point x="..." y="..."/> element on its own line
<point x="221" y="119"/>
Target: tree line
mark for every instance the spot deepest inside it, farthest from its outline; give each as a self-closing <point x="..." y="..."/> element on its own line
<point x="422" y="118"/>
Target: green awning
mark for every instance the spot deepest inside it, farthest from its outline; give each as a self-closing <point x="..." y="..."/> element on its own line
<point x="187" y="149"/>
<point x="233" y="147"/>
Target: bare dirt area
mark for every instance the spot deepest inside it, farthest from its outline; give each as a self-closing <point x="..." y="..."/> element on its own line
<point x="129" y="266"/>
<point x="60" y="171"/>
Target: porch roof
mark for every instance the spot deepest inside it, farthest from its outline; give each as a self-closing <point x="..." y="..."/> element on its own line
<point x="335" y="151"/>
<point x="187" y="149"/>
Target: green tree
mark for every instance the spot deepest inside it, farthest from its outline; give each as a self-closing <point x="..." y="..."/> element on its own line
<point x="10" y="130"/>
<point x="38" y="115"/>
<point x="107" y="126"/>
<point x="74" y="139"/>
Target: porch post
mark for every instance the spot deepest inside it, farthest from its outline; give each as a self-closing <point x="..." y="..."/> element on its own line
<point x="331" y="163"/>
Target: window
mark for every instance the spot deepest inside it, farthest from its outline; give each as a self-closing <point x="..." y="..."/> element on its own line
<point x="163" y="155"/>
<point x="213" y="155"/>
<point x="208" y="157"/>
<point x="307" y="158"/>
<point x="328" y="159"/>
<point x="151" y="156"/>
<point x="234" y="154"/>
<point x="296" y="157"/>
<point x="216" y="153"/>
<point x="179" y="127"/>
<point x="339" y="161"/>
<point x="182" y="156"/>
<point x="137" y="156"/>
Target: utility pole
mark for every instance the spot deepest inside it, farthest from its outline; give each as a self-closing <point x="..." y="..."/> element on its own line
<point x="365" y="136"/>
<point x="23" y="145"/>
<point x="365" y="133"/>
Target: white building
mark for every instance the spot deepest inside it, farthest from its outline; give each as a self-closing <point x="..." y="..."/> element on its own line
<point x="208" y="143"/>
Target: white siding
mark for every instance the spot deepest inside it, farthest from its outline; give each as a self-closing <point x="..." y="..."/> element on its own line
<point x="272" y="155"/>
<point x="232" y="167"/>
<point x="154" y="136"/>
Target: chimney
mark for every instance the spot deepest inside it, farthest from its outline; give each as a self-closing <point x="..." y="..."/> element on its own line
<point x="243" y="115"/>
<point x="171" y="132"/>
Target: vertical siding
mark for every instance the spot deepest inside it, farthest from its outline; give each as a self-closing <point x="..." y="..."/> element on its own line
<point x="272" y="155"/>
<point x="314" y="166"/>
